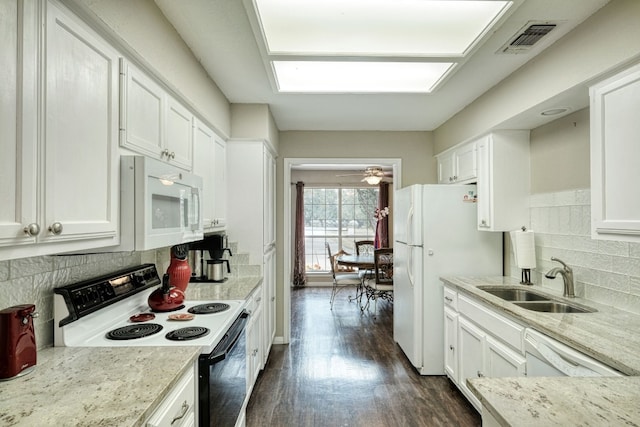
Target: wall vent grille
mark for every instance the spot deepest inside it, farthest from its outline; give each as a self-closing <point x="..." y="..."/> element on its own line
<point x="527" y="37"/>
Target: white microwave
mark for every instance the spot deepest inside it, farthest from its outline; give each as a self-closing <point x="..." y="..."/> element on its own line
<point x="160" y="205"/>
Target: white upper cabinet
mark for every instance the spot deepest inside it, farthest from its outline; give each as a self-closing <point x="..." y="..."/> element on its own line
<point x="62" y="168"/>
<point x="152" y="122"/>
<point x="503" y="180"/>
<point x="18" y="121"/>
<point x="458" y="165"/>
<point x="209" y="162"/>
<point x="615" y="207"/>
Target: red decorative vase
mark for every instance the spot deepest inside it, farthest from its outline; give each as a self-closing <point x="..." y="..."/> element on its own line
<point x="179" y="271"/>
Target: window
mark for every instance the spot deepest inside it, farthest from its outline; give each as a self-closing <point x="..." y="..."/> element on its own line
<point x="338" y="216"/>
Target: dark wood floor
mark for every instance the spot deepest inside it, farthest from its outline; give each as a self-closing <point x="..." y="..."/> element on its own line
<point x="344" y="369"/>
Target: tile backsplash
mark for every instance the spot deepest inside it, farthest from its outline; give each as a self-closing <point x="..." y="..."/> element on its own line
<point x="31" y="280"/>
<point x="604" y="271"/>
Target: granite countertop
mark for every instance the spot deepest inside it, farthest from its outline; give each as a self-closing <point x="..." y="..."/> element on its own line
<point x="106" y="386"/>
<point x="81" y="386"/>
<point x="609" y="335"/>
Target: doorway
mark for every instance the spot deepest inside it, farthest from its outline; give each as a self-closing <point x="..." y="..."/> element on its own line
<point x="317" y="164"/>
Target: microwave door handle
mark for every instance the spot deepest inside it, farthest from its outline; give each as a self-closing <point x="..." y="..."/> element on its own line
<point x="195" y="191"/>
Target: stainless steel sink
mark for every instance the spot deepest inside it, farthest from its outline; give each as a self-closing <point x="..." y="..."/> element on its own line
<point x="510" y="294"/>
<point x="553" y="307"/>
<point x="534" y="301"/>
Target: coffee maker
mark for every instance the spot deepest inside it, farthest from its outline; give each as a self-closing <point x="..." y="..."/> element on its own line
<point x="206" y="258"/>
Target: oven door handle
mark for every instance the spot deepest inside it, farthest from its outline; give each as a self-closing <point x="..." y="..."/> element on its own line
<point x="229" y="340"/>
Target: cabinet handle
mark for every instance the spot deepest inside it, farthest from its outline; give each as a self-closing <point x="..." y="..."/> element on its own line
<point x="183" y="412"/>
<point x="172" y="155"/>
<point x="32" y="229"/>
<point x="455" y="177"/>
<point x="273" y="298"/>
<point x="480" y="374"/>
<point x="449" y="299"/>
<point x="164" y="152"/>
<point x="483" y="223"/>
<point x="451" y="348"/>
<point x="55" y="228"/>
<point x="450" y="179"/>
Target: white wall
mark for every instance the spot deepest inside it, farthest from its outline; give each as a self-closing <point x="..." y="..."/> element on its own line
<point x="608" y="39"/>
<point x="141" y="26"/>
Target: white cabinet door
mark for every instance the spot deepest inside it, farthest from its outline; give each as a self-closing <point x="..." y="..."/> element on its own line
<point x="466" y="163"/>
<point x="471" y="342"/>
<point x="484" y="185"/>
<point x="204" y="166"/>
<point x="220" y="183"/>
<point x="254" y="337"/>
<point x="18" y="122"/>
<point x="615" y="207"/>
<point x="179" y="134"/>
<point x="269" y="306"/>
<point x="80" y="184"/>
<point x="458" y="165"/>
<point x="451" y="343"/>
<point x="269" y="169"/>
<point x="141" y="117"/>
<point x="501" y="361"/>
<point x="503" y="181"/>
<point x="152" y="122"/>
<point x="446" y="168"/>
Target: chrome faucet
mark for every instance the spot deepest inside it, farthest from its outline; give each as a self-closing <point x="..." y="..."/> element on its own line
<point x="567" y="276"/>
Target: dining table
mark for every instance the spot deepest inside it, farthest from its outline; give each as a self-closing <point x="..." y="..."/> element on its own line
<point x="362" y="262"/>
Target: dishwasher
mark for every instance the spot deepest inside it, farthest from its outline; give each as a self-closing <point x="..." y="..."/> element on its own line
<point x="547" y="357"/>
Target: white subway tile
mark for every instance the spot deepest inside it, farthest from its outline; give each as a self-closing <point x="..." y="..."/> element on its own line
<point x="583" y="197"/>
<point x="4" y="271"/>
<point x="634" y="250"/>
<point x="565" y="198"/>
<point x="576" y="220"/>
<point x="613" y="247"/>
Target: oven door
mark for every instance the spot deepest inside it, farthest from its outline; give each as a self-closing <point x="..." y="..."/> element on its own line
<point x="222" y="378"/>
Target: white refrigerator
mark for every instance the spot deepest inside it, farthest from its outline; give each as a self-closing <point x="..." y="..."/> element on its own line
<point x="435" y="234"/>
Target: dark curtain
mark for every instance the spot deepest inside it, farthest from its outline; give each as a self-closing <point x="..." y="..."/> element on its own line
<point x="299" y="277"/>
<point x="382" y="228"/>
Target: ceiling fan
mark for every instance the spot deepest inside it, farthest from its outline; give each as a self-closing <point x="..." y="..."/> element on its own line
<point x="372" y="175"/>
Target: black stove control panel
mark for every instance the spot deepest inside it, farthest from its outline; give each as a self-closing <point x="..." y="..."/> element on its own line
<point x="85" y="297"/>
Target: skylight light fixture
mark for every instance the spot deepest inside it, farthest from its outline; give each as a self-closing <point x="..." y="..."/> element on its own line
<point x="369" y="46"/>
<point x="358" y="77"/>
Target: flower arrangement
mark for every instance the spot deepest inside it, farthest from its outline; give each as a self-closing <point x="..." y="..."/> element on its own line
<point x="380" y="213"/>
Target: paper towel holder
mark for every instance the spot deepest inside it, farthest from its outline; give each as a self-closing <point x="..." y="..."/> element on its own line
<point x="525" y="276"/>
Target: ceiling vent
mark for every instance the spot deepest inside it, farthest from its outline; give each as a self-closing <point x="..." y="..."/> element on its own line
<point x="527" y="37"/>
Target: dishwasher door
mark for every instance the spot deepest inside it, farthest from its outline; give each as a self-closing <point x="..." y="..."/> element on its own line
<point x="547" y="357"/>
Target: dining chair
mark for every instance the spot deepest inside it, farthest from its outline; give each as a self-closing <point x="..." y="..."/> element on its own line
<point x="365" y="247"/>
<point x="340" y="280"/>
<point x="381" y="285"/>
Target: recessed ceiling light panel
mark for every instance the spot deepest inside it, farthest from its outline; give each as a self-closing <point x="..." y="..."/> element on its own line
<point x="376" y="27"/>
<point x="358" y="77"/>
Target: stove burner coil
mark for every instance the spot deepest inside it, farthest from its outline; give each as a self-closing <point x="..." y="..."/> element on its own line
<point x="210" y="308"/>
<point x="132" y="332"/>
<point x="186" y="334"/>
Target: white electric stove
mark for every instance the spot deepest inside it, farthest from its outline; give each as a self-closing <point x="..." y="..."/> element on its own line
<point x="102" y="313"/>
<point x="112" y="311"/>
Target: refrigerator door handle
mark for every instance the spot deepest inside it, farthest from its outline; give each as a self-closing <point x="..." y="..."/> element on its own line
<point x="409" y="224"/>
<point x="410" y="266"/>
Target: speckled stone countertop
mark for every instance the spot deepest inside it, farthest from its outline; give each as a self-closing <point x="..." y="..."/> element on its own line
<point x="112" y="386"/>
<point x="609" y="335"/>
<point x="560" y="401"/>
<point x="234" y="288"/>
<point x="115" y="386"/>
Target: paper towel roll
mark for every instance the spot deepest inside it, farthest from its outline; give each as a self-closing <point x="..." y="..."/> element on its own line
<point x="524" y="248"/>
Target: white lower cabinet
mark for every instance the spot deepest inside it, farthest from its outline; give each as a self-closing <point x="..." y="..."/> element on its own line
<point x="254" y="338"/>
<point x="178" y="408"/>
<point x="479" y="342"/>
